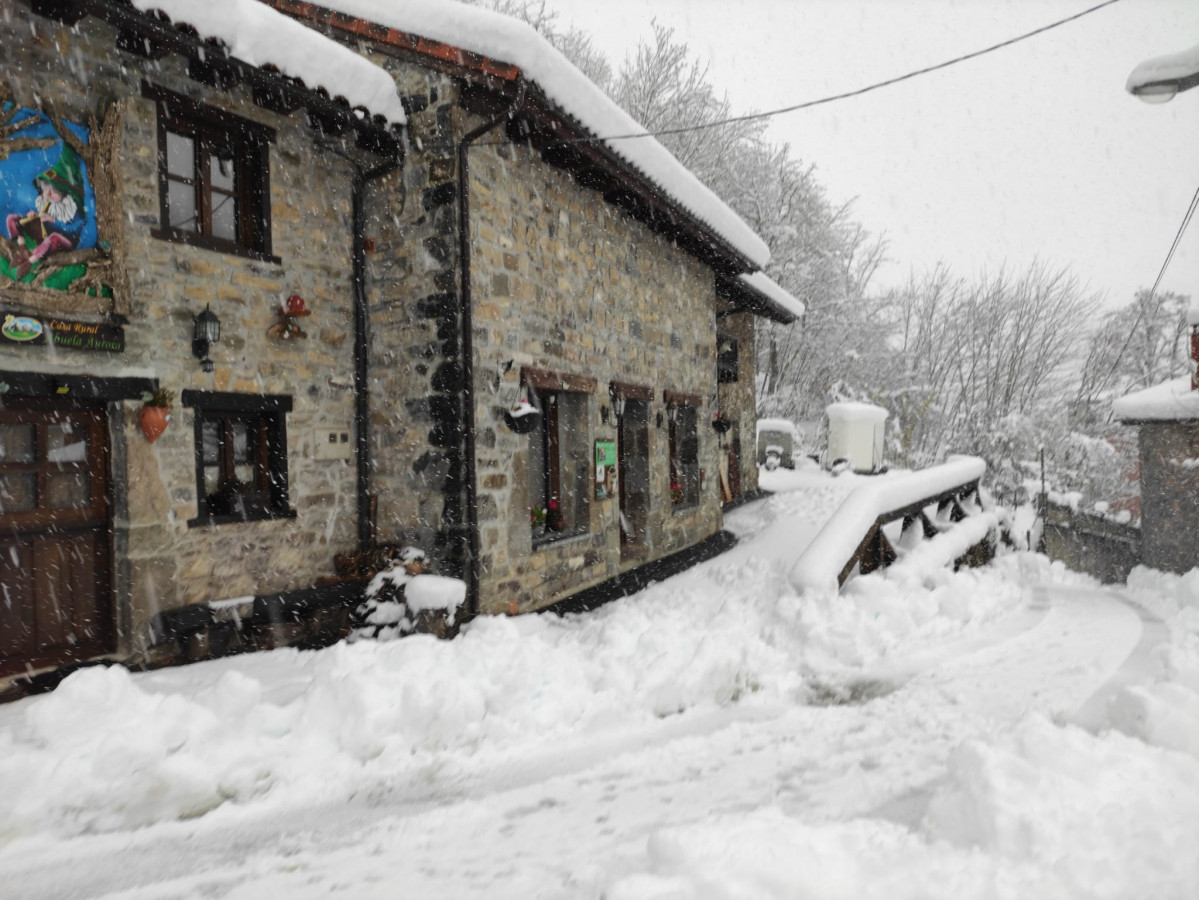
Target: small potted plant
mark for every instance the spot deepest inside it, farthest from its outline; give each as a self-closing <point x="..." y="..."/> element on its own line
<point x="720" y="423"/>
<point x="537" y="520"/>
<point x="554" y="519"/>
<point x="156" y="413"/>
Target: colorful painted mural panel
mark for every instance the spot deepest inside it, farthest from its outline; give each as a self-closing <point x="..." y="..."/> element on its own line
<point x="48" y="232"/>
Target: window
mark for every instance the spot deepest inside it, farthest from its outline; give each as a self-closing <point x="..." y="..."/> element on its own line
<point x="241" y="456"/>
<point x="213" y="174"/>
<point x="683" y="414"/>
<point x="727" y="370"/>
<point x="559" y="462"/>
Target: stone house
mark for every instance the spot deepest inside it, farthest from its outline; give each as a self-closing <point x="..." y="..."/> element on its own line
<point x="201" y="182"/>
<point x="1167" y="420"/>
<point x="600" y="282"/>
<point x="530" y="350"/>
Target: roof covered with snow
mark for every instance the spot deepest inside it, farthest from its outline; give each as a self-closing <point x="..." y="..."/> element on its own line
<point x="774" y="296"/>
<point x="1171" y="401"/>
<point x="1179" y="67"/>
<point x="260" y="36"/>
<point x="505" y="39"/>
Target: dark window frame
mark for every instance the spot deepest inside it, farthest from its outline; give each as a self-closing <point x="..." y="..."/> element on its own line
<point x="265" y="419"/>
<point x="215" y="132"/>
<point x="684" y="472"/>
<point x="544" y="385"/>
<point x="727" y="362"/>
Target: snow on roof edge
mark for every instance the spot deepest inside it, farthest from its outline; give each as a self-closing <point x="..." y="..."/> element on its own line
<point x="773" y="294"/>
<point x="1171" y="400"/>
<point x="259" y="35"/>
<point x="509" y="40"/>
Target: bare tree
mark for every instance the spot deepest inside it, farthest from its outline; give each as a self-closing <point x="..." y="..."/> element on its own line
<point x="1136" y="346"/>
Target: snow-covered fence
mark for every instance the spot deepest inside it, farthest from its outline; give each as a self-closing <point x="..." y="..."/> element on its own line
<point x="854" y="539"/>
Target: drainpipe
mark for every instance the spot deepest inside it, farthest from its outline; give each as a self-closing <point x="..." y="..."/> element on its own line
<point x="468" y="353"/>
<point x="362" y="178"/>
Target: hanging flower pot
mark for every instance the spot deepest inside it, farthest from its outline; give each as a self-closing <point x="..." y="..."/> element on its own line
<point x="523" y="417"/>
<point x="155" y="415"/>
<point x="721" y="424"/>
<point x="154" y="421"/>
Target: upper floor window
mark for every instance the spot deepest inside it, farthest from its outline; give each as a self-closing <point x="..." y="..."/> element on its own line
<point x="213" y="177"/>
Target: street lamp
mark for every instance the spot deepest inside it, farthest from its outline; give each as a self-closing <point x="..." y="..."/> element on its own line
<point x="1157" y="80"/>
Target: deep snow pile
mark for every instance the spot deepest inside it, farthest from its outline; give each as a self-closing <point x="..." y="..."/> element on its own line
<point x="1003" y="804"/>
<point x="1165" y="712"/>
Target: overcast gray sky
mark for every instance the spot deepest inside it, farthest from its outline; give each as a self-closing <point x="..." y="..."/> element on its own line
<point x="1032" y="151"/>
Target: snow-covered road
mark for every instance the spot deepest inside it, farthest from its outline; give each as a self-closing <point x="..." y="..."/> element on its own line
<point x="713" y="737"/>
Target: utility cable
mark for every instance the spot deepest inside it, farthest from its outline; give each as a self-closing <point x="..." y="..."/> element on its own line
<point x="751" y="117"/>
<point x="1141" y="307"/>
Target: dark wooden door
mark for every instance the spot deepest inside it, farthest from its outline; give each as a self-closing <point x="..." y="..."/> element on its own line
<point x="55" y="551"/>
<point x="632" y="474"/>
<point x="735" y="462"/>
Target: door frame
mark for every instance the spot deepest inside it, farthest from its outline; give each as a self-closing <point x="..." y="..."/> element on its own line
<point x="22" y="530"/>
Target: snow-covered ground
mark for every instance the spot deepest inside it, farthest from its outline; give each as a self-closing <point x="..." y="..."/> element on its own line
<point x="1015" y="731"/>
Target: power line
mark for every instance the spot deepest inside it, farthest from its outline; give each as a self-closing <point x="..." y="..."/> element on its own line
<point x="1141" y="307"/>
<point x="1186" y="220"/>
<point x="751" y="117"/>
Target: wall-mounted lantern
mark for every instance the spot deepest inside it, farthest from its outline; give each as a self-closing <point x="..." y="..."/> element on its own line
<point x="617" y="399"/>
<point x="206" y="331"/>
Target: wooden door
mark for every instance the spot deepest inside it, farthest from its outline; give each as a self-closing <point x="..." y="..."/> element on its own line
<point x="55" y="549"/>
<point x="735" y="462"/>
<point x="632" y="474"/>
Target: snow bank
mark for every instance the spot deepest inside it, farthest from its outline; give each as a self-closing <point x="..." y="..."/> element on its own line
<point x="258" y="35"/>
<point x="507" y="40"/>
<point x="1043" y="811"/>
<point x="111" y="750"/>
<point x="1165" y="711"/>
<point x="1106" y="816"/>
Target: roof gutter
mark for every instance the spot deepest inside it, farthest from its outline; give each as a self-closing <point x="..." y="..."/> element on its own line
<point x="468" y="352"/>
<point x="362" y="179"/>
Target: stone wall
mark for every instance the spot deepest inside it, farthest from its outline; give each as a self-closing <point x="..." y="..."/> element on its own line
<point x="162" y="563"/>
<point x="564" y="282"/>
<point x="1169" y="494"/>
<point x="1089" y="543"/>
<point x="416" y="375"/>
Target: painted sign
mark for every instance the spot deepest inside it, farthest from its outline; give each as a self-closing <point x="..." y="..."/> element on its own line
<point x="605" y="453"/>
<point x="605" y="469"/>
<point x="47" y="204"/>
<point x="98" y="336"/>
